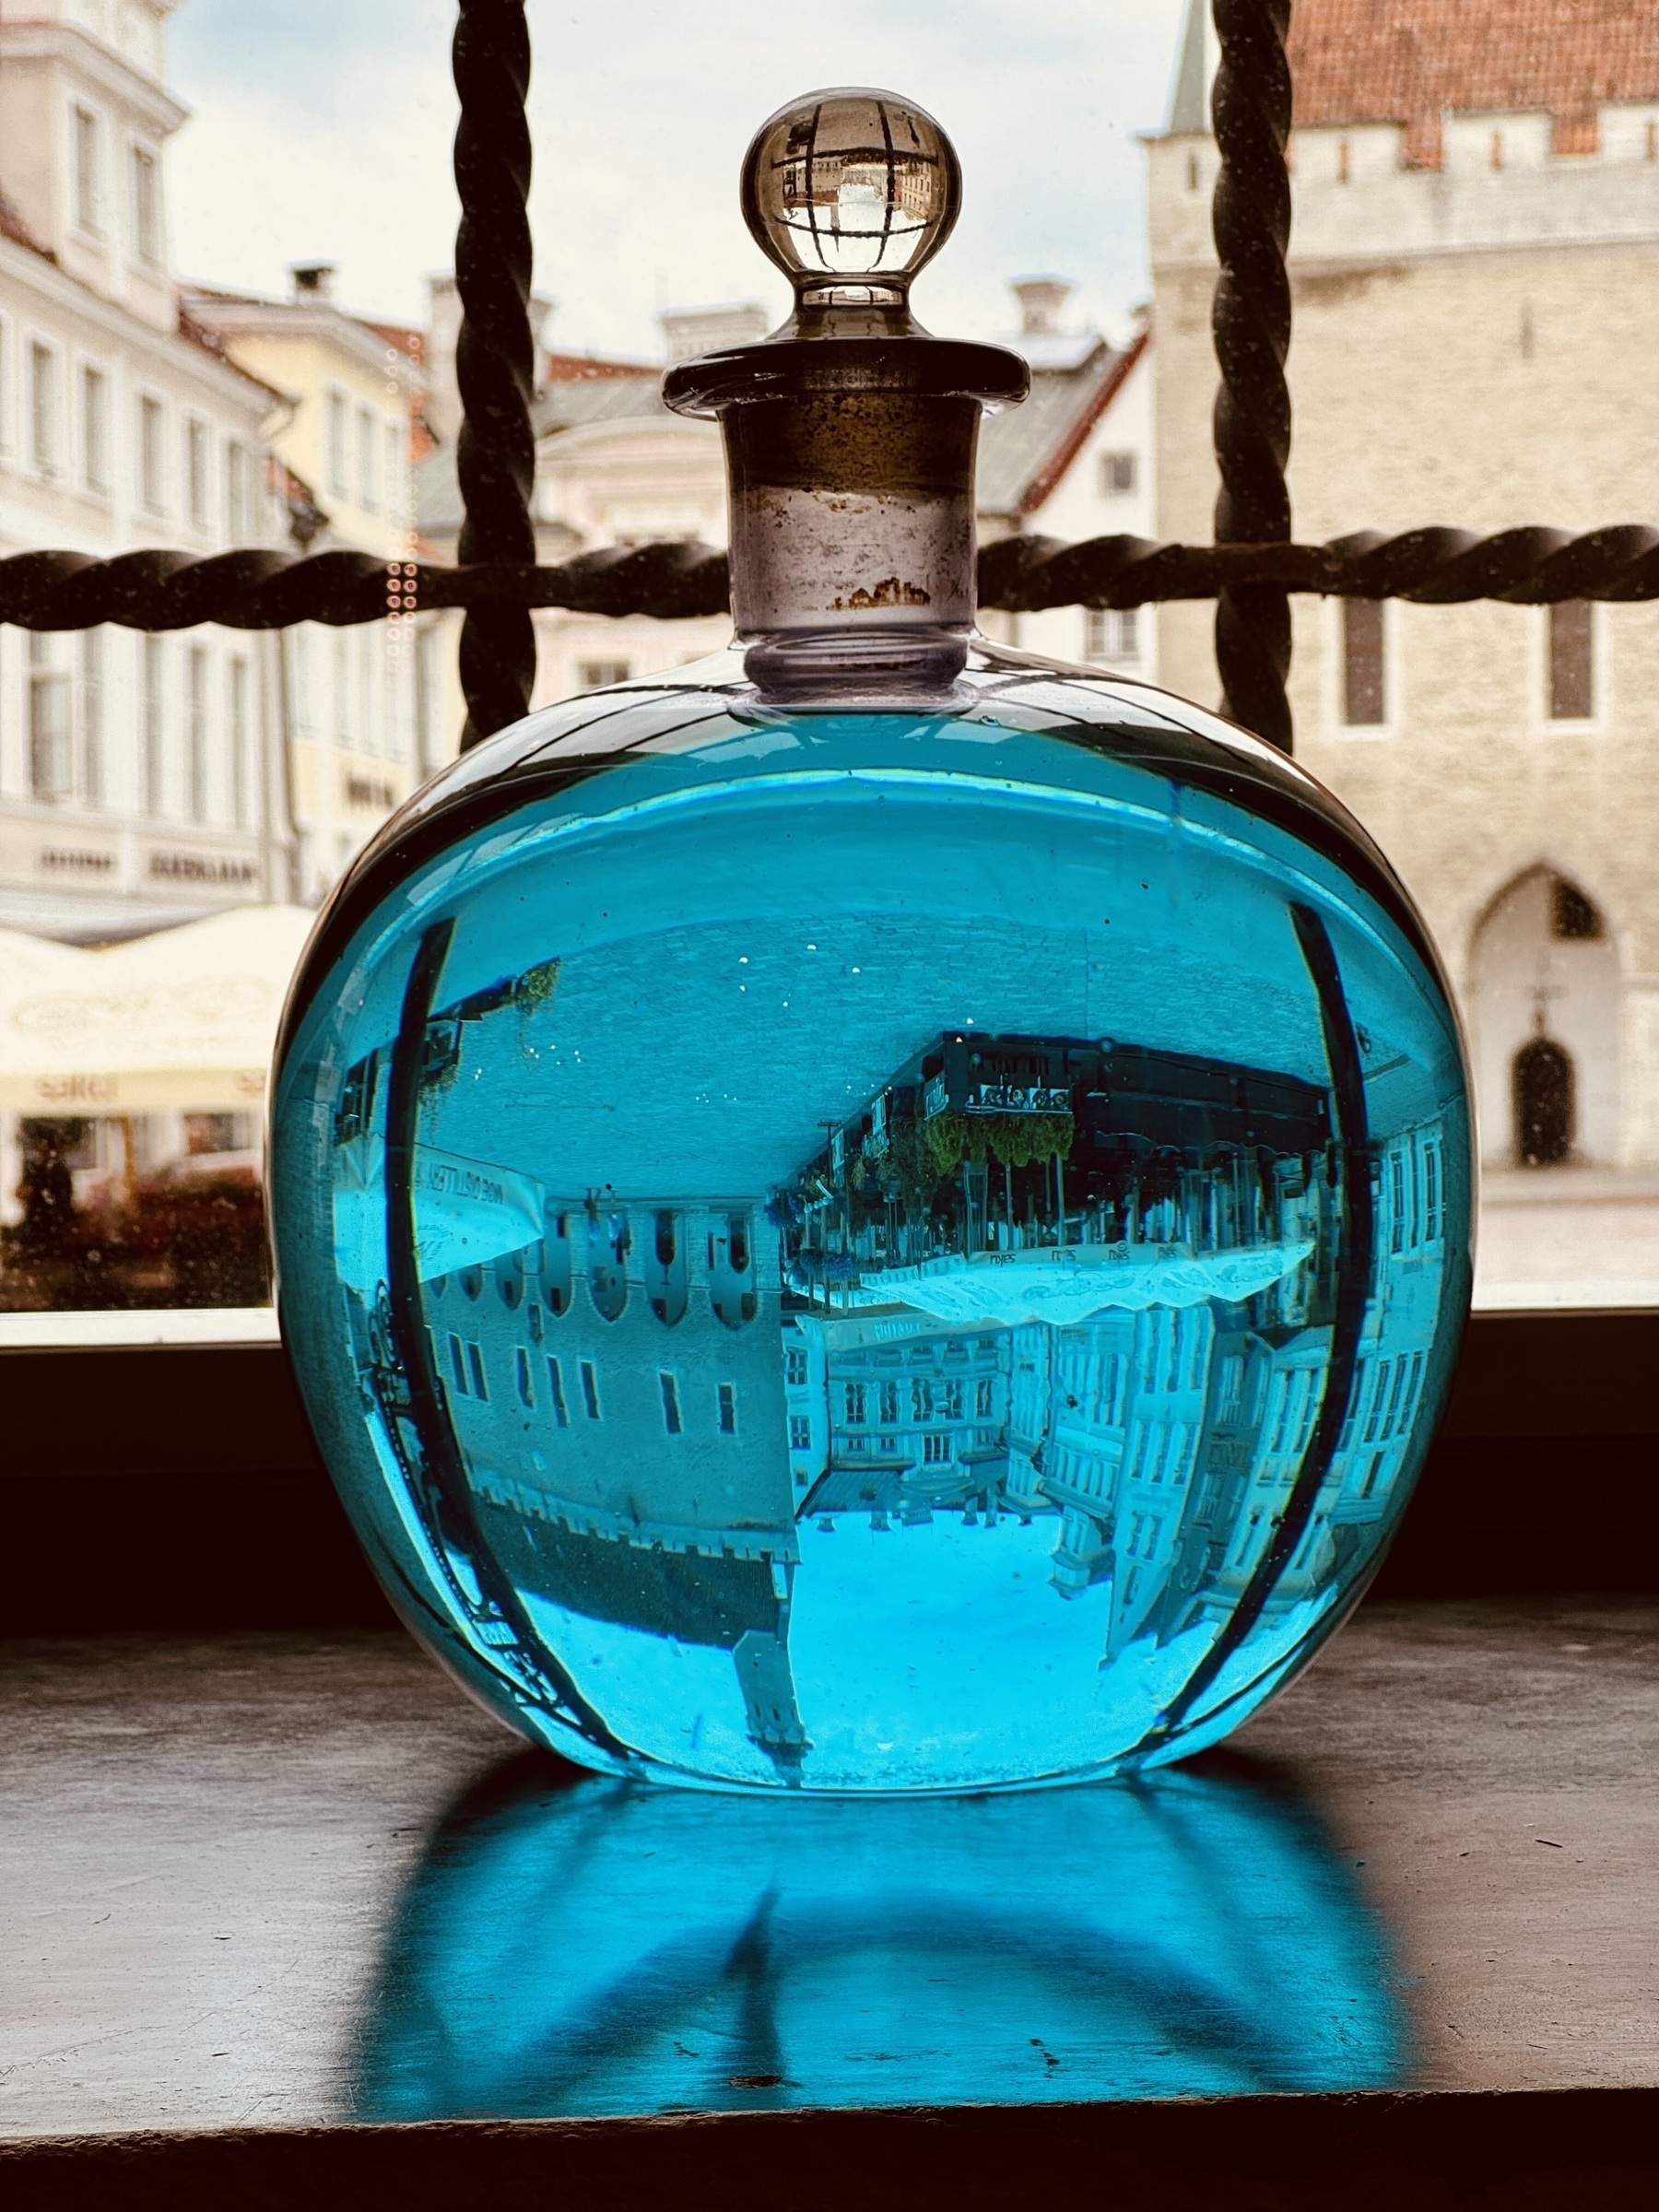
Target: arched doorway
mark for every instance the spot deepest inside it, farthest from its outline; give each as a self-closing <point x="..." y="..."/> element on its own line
<point x="1545" y="1105"/>
<point x="1544" y="973"/>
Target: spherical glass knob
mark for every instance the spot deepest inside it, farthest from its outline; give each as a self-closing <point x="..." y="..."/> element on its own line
<point x="850" y="193"/>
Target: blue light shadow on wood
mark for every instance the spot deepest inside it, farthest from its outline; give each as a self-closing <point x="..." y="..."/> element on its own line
<point x="581" y="1946"/>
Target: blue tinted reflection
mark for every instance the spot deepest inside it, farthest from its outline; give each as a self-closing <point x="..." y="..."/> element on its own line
<point x="582" y="1945"/>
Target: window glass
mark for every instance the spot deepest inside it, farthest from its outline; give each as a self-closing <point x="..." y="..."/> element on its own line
<point x="50" y="755"/>
<point x="163" y="784"/>
<point x="1364" y="697"/>
<point x="238" y="493"/>
<point x="90" y="704"/>
<point x="151" y="739"/>
<point x="88" y="184"/>
<point x="152" y="457"/>
<point x="195" y="472"/>
<point x="338" y="408"/>
<point x="95" y="429"/>
<point x="1571" y="661"/>
<point x="368" y="461"/>
<point x="45" y="428"/>
<point x="195" y="733"/>
<point x="146" y="204"/>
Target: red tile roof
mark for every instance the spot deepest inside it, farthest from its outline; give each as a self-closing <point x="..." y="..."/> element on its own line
<point x="401" y="337"/>
<point x="1408" y="61"/>
<point x="579" y="368"/>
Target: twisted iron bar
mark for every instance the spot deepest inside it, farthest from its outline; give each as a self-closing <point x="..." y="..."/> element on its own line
<point x="271" y="590"/>
<point x="495" y="362"/>
<point x="1249" y="111"/>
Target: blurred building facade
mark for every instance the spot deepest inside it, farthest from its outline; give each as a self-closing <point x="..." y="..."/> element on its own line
<point x="613" y="467"/>
<point x="354" y="709"/>
<point x="1474" y="253"/>
<point x="138" y="788"/>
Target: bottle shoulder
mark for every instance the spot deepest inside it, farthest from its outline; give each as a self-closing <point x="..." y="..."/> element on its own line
<point x="1014" y="716"/>
<point x="702" y="701"/>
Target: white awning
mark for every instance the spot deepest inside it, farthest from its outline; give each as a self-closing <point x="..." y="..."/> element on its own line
<point x="184" y="1020"/>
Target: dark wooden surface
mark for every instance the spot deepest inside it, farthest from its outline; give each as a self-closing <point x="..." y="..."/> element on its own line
<point x="204" y="1844"/>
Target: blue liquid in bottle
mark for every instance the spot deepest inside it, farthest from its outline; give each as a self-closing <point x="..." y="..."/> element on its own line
<point x="878" y="1214"/>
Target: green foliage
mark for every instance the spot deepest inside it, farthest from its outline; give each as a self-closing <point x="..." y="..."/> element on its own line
<point x="1016" y="1139"/>
<point x="535" y="986"/>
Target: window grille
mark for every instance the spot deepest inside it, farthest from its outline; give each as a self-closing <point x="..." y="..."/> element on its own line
<point x="1250" y="571"/>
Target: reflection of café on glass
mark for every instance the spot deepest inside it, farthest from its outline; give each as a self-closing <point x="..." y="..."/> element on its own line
<point x="572" y="1946"/>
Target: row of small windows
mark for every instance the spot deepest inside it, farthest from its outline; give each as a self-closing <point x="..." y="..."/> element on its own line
<point x="366" y="455"/>
<point x="731" y="1267"/>
<point x="355" y="705"/>
<point x="68" y="747"/>
<point x="929" y="1399"/>
<point x="144" y="187"/>
<point x="52" y="426"/>
<point x="1111" y="633"/>
<point x="468" y="1372"/>
<point x="1384" y="1399"/>
<point x="1568" y="673"/>
<point x="1157" y="1448"/>
<point x="1638" y="140"/>
<point x="1143" y="1535"/>
<point x="1412" y="1194"/>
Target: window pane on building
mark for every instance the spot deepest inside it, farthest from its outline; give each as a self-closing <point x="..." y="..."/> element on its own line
<point x="1571" y="661"/>
<point x="146" y="214"/>
<point x="49" y="732"/>
<point x="89" y="211"/>
<point x="43" y="411"/>
<point x="95" y="429"/>
<point x="90" y="646"/>
<point x="151" y="743"/>
<point x="1363" y="699"/>
<point x="195" y="757"/>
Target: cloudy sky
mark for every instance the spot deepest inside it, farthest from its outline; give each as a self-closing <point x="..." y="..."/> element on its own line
<point x="322" y="131"/>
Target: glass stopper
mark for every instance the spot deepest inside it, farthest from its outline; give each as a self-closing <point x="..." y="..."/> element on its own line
<point x="850" y="193"/>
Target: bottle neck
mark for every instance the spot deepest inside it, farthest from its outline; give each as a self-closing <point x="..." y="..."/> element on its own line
<point x="852" y="541"/>
<point x="849" y="463"/>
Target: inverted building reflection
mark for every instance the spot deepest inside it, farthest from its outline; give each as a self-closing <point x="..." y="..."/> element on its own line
<point x="1032" y="1280"/>
<point x="583" y="1946"/>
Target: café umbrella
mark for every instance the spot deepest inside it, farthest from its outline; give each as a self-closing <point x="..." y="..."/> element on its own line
<point x="181" y="1020"/>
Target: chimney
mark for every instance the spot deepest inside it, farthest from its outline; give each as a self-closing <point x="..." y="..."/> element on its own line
<point x="314" y="280"/>
<point x="1042" y="301"/>
<point x="693" y="330"/>
<point x="444" y="329"/>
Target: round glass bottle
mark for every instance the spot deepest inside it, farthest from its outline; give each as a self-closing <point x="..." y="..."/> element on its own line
<point x="875" y="1213"/>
